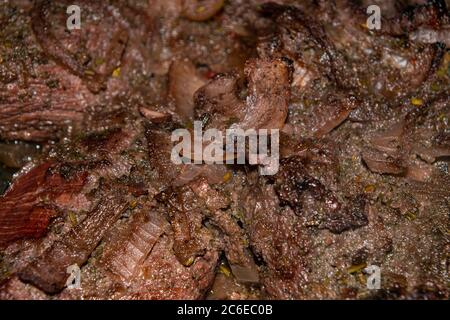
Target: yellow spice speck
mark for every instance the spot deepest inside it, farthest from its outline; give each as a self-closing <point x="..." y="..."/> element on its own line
<point x="417" y="101"/>
<point x="116" y="72"/>
<point x="225" y="270"/>
<point x="73" y="218"/>
<point x="200" y="9"/>
<point x="357" y="268"/>
<point x="227" y="176"/>
<point x="89" y="72"/>
<point x="133" y="204"/>
<point x="189" y="262"/>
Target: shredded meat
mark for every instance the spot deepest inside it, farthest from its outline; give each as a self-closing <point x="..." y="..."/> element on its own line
<point x="86" y="171"/>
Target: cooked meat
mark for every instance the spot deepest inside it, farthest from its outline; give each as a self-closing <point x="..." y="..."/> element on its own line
<point x="86" y="172"/>
<point x="25" y="213"/>
<point x="48" y="272"/>
<point x="99" y="57"/>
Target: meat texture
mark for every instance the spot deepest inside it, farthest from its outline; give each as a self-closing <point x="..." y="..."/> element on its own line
<point x="87" y="179"/>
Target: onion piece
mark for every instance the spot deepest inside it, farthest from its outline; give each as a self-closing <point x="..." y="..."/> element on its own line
<point x="389" y="141"/>
<point x="183" y="83"/>
<point x="154" y="116"/>
<point x="380" y="163"/>
<point x="247" y="275"/>
<point x="419" y="172"/>
<point x="330" y="114"/>
<point x="213" y="173"/>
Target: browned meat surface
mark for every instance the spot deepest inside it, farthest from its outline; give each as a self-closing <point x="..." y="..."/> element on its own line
<point x="87" y="178"/>
<point x="25" y="212"/>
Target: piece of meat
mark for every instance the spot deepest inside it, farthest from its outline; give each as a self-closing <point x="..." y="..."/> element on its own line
<point x="381" y="163"/>
<point x="129" y="247"/>
<point x="329" y="114"/>
<point x="191" y="239"/>
<point x="218" y="101"/>
<point x="413" y="62"/>
<point x="310" y="199"/>
<point x="17" y="290"/>
<point x="33" y="88"/>
<point x="303" y="40"/>
<point x="53" y="81"/>
<point x="277" y="238"/>
<point x="433" y="14"/>
<point x="98" y="55"/>
<point x="238" y="255"/>
<point x="269" y="92"/>
<point x="391" y="151"/>
<point x="165" y="278"/>
<point x="159" y="149"/>
<point x="33" y="200"/>
<point x="363" y="174"/>
<point x="48" y="272"/>
<point x="266" y="104"/>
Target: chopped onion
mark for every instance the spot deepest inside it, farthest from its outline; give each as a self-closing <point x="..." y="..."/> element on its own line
<point x="184" y="82"/>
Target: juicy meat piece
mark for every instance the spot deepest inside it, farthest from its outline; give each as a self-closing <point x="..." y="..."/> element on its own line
<point x="391" y="151"/>
<point x="159" y="151"/>
<point x="411" y="62"/>
<point x="309" y="198"/>
<point x="301" y="39"/>
<point x="219" y="102"/>
<point x="38" y="98"/>
<point x="277" y="238"/>
<point x="129" y="248"/>
<point x="17" y="290"/>
<point x="269" y="92"/>
<point x="49" y="272"/>
<point x="363" y="175"/>
<point x="52" y="99"/>
<point x="381" y="163"/>
<point x="53" y="81"/>
<point x="102" y="52"/>
<point x="266" y="104"/>
<point x="165" y="278"/>
<point x="433" y="14"/>
<point x="237" y="254"/>
<point x="191" y="239"/>
<point x="33" y="200"/>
